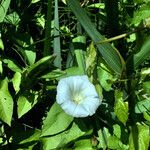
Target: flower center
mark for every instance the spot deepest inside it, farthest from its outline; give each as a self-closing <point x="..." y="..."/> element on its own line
<point x="77" y="98"/>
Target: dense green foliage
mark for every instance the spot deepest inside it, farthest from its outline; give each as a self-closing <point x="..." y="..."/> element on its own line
<point x="43" y="41"/>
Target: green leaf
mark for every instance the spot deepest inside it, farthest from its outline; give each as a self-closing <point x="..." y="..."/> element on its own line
<point x="139" y="137"/>
<point x="12" y="19"/>
<point x="121" y="107"/>
<point x="1" y="44"/>
<point x="35" y="71"/>
<point x="6" y="103"/>
<point x="56" y="121"/>
<point x="26" y="102"/>
<point x="60" y="140"/>
<point x="40" y="66"/>
<point x="73" y="71"/>
<point x="146" y="86"/>
<point x="105" y="77"/>
<point x="16" y="80"/>
<point x="110" y="55"/>
<point x="140" y="14"/>
<point x="146" y="116"/>
<point x="54" y="74"/>
<point x="12" y="65"/>
<point x="142" y="55"/>
<point x="24" y="45"/>
<point x="143" y="136"/>
<point x="1" y="67"/>
<point x="84" y="144"/>
<point x="34" y="1"/>
<point x="142" y="106"/>
<point x="3" y="9"/>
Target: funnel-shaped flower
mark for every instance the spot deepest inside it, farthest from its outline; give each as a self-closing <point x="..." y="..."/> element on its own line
<point x="77" y="96"/>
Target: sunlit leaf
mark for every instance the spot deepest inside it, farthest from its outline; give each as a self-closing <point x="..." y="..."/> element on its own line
<point x="60" y="140"/>
<point x="12" y="18"/>
<point x="143" y="54"/>
<point x="139" y="137"/>
<point x="83" y="144"/>
<point x="16" y="80"/>
<point x="56" y="121"/>
<point x="6" y="102"/>
<point x="140" y="14"/>
<point x="1" y="67"/>
<point x="142" y="106"/>
<point x="121" y="107"/>
<point x="3" y="9"/>
<point x="26" y="102"/>
<point x="12" y="65"/>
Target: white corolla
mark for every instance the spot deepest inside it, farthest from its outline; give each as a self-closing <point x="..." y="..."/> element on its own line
<point x="77" y="96"/>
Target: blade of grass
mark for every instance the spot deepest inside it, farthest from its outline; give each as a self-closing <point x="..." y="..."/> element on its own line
<point x="47" y="42"/>
<point x="57" y="50"/>
<point x="109" y="54"/>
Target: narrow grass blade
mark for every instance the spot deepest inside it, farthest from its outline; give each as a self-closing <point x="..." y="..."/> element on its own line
<point x="110" y="55"/>
<point x="57" y="50"/>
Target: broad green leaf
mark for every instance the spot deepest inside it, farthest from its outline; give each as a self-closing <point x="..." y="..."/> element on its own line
<point x="24" y="45"/>
<point x="73" y="71"/>
<point x="110" y="55"/>
<point x="117" y="131"/>
<point x="105" y="77"/>
<point x="121" y="107"/>
<point x="91" y="60"/>
<point x="12" y="19"/>
<point x="57" y="49"/>
<point x="103" y="135"/>
<point x="142" y="13"/>
<point x="26" y="102"/>
<point x="12" y="65"/>
<point x="142" y="55"/>
<point x="143" y="136"/>
<point x="4" y="4"/>
<point x="6" y="102"/>
<point x="56" y="121"/>
<point x="142" y="106"/>
<point x="60" y="140"/>
<point x="84" y="144"/>
<point x="35" y="71"/>
<point x="139" y="137"/>
<point x="146" y="86"/>
<point x="146" y="116"/>
<point x="16" y="80"/>
<point x="39" y="67"/>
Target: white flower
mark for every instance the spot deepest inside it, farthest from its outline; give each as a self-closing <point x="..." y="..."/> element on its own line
<point x="77" y="96"/>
